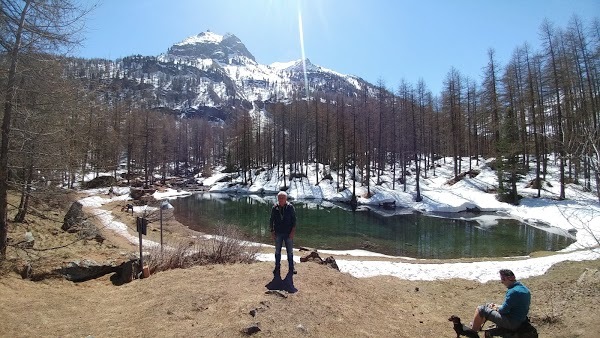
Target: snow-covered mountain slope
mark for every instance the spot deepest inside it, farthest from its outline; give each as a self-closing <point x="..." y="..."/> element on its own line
<point x="211" y="74"/>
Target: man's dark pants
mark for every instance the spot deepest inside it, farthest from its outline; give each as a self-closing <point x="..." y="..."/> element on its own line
<point x="289" y="248"/>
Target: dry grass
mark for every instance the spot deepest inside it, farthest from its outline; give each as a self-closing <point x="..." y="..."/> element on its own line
<point x="227" y="247"/>
<point x="221" y="300"/>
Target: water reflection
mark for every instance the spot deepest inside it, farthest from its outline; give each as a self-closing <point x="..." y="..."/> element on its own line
<point x="398" y="232"/>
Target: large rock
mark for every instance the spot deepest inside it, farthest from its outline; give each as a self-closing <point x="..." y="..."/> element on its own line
<point x="84" y="270"/>
<point x="137" y="194"/>
<point x="101" y="182"/>
<point x="73" y="218"/>
<point x="75" y="222"/>
<point x="314" y="256"/>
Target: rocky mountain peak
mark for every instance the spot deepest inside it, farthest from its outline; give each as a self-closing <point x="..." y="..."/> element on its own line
<point x="295" y="66"/>
<point x="209" y="45"/>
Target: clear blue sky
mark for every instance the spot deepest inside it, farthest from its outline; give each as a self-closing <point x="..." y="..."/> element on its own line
<point x="374" y="39"/>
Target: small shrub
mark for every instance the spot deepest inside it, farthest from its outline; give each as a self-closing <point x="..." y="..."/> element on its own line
<point x="170" y="257"/>
<point x="226" y="247"/>
<point x="549" y="313"/>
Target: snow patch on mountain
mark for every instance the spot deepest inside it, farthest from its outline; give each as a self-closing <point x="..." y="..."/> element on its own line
<point x="204" y="37"/>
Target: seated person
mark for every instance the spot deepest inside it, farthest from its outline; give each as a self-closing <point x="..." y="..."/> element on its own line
<point x="513" y="312"/>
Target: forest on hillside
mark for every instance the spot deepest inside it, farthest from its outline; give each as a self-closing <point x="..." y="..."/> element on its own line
<point x="58" y="124"/>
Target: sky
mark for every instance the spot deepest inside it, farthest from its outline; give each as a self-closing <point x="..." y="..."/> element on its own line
<point x="389" y="40"/>
<point x="579" y="211"/>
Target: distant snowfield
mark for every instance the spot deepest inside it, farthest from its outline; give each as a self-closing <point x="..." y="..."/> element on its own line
<point x="579" y="213"/>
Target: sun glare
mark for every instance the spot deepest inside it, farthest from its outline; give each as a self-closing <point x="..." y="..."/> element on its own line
<point x="301" y="31"/>
<point x="281" y="11"/>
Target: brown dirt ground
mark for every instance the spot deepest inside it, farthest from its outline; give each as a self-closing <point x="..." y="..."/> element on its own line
<point x="216" y="300"/>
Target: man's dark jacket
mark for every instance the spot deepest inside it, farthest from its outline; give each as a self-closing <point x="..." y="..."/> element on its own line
<point x="283" y="219"/>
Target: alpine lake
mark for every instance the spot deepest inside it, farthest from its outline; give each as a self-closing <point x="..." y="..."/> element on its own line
<point x="396" y="232"/>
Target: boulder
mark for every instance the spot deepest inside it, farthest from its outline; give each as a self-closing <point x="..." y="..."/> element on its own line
<point x="73" y="218"/>
<point x="251" y="329"/>
<point x="330" y="261"/>
<point x="28" y="240"/>
<point x="311" y="256"/>
<point x="314" y="256"/>
<point x="126" y="272"/>
<point x="84" y="270"/>
<point x="100" y="182"/>
<point x="137" y="194"/>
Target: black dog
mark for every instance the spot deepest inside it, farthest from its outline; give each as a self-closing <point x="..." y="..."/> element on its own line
<point x="462" y="330"/>
<point x="127" y="207"/>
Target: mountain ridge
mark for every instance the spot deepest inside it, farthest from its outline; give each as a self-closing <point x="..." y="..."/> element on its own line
<point x="212" y="72"/>
<point x="209" y="45"/>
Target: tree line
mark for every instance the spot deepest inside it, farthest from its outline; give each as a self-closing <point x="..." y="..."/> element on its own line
<point x="59" y="123"/>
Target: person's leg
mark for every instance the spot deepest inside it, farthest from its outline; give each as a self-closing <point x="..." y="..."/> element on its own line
<point x="485" y="312"/>
<point x="478" y="319"/>
<point x="289" y="248"/>
<point x="278" y="244"/>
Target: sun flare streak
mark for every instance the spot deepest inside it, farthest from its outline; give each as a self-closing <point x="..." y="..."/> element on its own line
<point x="301" y="30"/>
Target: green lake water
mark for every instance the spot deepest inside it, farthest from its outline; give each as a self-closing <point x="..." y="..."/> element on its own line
<point x="327" y="226"/>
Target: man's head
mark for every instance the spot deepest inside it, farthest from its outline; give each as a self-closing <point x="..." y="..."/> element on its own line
<point x="281" y="198"/>
<point x="507" y="277"/>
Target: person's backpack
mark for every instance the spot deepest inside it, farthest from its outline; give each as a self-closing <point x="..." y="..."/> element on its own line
<point x="526" y="330"/>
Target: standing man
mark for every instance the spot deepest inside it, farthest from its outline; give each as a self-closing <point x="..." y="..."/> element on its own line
<point x="513" y="312"/>
<point x="283" y="227"/>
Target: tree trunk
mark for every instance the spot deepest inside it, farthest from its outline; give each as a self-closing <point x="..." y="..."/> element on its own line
<point x="11" y="90"/>
<point x="25" y="193"/>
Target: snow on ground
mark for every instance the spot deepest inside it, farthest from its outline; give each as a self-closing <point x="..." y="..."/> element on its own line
<point x="579" y="213"/>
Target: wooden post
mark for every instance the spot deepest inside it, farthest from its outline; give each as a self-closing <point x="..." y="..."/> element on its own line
<point x="141" y="224"/>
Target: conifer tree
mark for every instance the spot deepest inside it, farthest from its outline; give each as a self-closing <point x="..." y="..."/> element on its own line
<point x="29" y="29"/>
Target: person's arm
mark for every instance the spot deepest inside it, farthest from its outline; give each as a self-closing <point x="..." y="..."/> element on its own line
<point x="272" y="223"/>
<point x="508" y="303"/>
<point x="293" y="232"/>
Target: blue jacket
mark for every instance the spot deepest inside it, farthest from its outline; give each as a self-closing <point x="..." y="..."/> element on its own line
<point x="516" y="303"/>
<point x="283" y="219"/>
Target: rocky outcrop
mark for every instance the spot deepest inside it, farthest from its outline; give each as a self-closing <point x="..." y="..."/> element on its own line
<point x="137" y="194"/>
<point x="75" y="222"/>
<point x="208" y="45"/>
<point x="314" y="256"/>
<point x="101" y="182"/>
<point x="73" y="218"/>
<point x="84" y="270"/>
